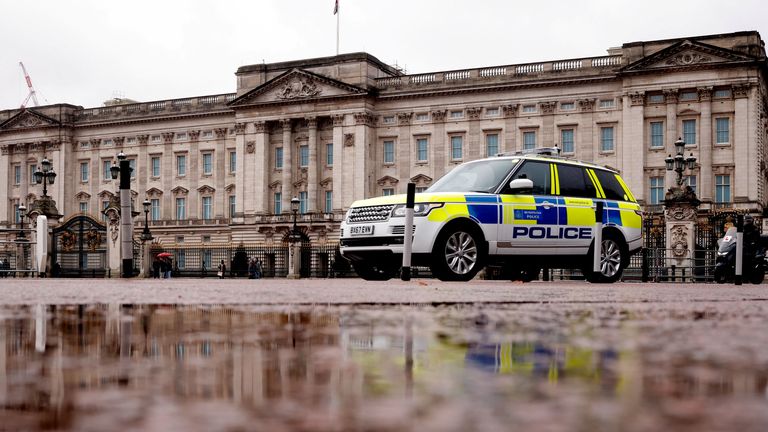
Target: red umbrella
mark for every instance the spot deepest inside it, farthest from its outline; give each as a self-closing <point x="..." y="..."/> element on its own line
<point x="164" y="255"/>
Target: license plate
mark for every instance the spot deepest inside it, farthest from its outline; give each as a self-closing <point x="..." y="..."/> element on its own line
<point x="357" y="230"/>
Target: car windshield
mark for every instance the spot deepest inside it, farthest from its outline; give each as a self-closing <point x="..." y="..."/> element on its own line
<point x="484" y="176"/>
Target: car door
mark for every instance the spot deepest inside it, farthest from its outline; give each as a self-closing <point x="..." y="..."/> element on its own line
<point x="529" y="221"/>
<point x="577" y="193"/>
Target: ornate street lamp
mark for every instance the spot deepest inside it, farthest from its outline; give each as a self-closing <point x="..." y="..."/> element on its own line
<point x="294" y="237"/>
<point x="45" y="175"/>
<point x="679" y="162"/>
<point x="21" y="236"/>
<point x="146" y="235"/>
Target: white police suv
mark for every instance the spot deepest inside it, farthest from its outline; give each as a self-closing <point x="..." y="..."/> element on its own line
<point x="521" y="212"/>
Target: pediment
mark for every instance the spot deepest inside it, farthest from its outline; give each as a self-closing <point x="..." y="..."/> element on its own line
<point x="326" y="182"/>
<point x="421" y="179"/>
<point x="275" y="184"/>
<point x="178" y="190"/>
<point x="297" y="85"/>
<point x="105" y="194"/>
<point x="687" y="54"/>
<point x="686" y="112"/>
<point x="28" y="119"/>
<point x="154" y="192"/>
<point x="230" y="187"/>
<point x="205" y="189"/>
<point x="82" y="196"/>
<point x="300" y="183"/>
<point x="387" y="181"/>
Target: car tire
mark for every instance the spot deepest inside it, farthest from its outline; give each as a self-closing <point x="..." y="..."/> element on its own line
<point x="459" y="253"/>
<point x="720" y="275"/>
<point x="757" y="275"/>
<point x="373" y="272"/>
<point x="613" y="259"/>
<point x="528" y="274"/>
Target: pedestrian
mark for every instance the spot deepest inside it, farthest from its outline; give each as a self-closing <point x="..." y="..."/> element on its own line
<point x="222" y="269"/>
<point x="156" y="264"/>
<point x="252" y="268"/>
<point x="2" y="268"/>
<point x="258" y="269"/>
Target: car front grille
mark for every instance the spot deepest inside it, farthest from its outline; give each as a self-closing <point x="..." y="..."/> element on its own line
<point x="400" y="229"/>
<point x="370" y="214"/>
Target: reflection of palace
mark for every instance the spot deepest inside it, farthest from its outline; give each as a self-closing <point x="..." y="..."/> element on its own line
<point x="222" y="168"/>
<point x="56" y="362"/>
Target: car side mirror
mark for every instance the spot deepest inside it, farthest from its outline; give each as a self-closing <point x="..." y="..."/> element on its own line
<point x="521" y="185"/>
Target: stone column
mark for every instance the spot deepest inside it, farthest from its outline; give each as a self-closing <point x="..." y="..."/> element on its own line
<point x="743" y="152"/>
<point x="633" y="140"/>
<point x="24" y="186"/>
<point x="5" y="174"/>
<point x="312" y="174"/>
<point x="406" y="155"/>
<point x="705" y="182"/>
<point x="436" y="150"/>
<point x="258" y="198"/>
<point x="338" y="161"/>
<point x="670" y="96"/>
<point x="193" y="180"/>
<point x="362" y="122"/>
<point x="475" y="145"/>
<point x="548" y="127"/>
<point x="243" y="202"/>
<point x="586" y="144"/>
<point x="510" y="126"/>
<point x="287" y="166"/>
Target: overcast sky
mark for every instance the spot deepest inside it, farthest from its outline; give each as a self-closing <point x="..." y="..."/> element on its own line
<point x="85" y="52"/>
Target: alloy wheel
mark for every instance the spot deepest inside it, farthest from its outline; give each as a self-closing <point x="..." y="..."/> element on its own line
<point x="461" y="252"/>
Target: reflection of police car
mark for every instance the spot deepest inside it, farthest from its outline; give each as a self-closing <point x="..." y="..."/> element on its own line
<point x="523" y="212"/>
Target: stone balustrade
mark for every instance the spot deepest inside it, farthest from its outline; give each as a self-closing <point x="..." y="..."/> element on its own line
<point x="527" y="70"/>
<point x="155" y="108"/>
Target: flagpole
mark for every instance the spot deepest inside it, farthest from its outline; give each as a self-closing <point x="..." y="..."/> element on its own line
<point x="337" y="30"/>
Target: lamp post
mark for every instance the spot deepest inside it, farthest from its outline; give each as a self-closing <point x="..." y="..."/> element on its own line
<point x="126" y="227"/>
<point x="146" y="235"/>
<point x="293" y="238"/>
<point x="21" y="236"/>
<point x="45" y="175"/>
<point x="679" y="162"/>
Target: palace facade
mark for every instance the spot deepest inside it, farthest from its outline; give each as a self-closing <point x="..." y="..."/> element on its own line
<point x="222" y="169"/>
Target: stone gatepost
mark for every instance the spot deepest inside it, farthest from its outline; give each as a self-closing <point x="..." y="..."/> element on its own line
<point x="680" y="212"/>
<point x="114" y="256"/>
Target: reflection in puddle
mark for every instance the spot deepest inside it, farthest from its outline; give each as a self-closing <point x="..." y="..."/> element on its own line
<point x="165" y="367"/>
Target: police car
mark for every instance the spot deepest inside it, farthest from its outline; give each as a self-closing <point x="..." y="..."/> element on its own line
<point x="521" y="212"/>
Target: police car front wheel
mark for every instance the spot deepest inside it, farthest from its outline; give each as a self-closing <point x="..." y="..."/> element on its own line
<point x="458" y="254"/>
<point x="613" y="260"/>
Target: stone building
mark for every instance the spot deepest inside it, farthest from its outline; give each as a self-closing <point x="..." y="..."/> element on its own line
<point x="222" y="169"/>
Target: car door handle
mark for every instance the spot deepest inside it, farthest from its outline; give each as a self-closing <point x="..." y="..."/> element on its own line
<point x="546" y="204"/>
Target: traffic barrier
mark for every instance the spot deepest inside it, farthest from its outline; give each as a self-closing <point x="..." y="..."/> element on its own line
<point x="410" y="198"/>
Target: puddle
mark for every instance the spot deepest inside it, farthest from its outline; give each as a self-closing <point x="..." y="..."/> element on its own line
<point x="538" y="367"/>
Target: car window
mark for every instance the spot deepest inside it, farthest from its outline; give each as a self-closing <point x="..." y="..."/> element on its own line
<point x="538" y="173"/>
<point x="484" y="176"/>
<point x="574" y="182"/>
<point x="611" y="186"/>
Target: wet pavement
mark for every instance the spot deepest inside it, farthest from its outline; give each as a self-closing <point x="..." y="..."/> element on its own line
<point x="346" y="355"/>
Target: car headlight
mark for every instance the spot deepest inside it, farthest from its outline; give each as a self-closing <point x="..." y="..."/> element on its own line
<point x="419" y="209"/>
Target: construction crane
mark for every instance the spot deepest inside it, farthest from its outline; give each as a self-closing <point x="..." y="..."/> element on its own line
<point x="31" y="94"/>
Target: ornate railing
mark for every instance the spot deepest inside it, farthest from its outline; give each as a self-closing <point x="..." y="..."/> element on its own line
<point x="173" y="106"/>
<point x="512" y="71"/>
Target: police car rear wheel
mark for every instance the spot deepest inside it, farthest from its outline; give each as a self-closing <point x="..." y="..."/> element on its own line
<point x="458" y="255"/>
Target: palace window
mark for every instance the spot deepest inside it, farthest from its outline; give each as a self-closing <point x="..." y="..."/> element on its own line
<point x="529" y="108"/>
<point x="657" y="190"/>
<point x="278" y="202"/>
<point x="388" y="119"/>
<point x="329" y="154"/>
<point x="607" y="103"/>
<point x="689" y="132"/>
<point x="656" y="99"/>
<point x="304" y="156"/>
<point x="84" y="174"/>
<point x="722" y="188"/>
<point x="457" y="114"/>
<point x="567" y="106"/>
<point x="32" y="169"/>
<point x="207" y="134"/>
<point x="17" y="174"/>
<point x="722" y="93"/>
<point x="387" y="192"/>
<point x="657" y="134"/>
<point x="106" y="164"/>
<point x="232" y="206"/>
<point x="691" y="181"/>
<point x="492" y="144"/>
<point x="279" y="158"/>
<point x="606" y="139"/>
<point x="155" y="138"/>
<point x="154" y="209"/>
<point x="328" y="201"/>
<point x="181" y="208"/>
<point x="723" y="130"/>
<point x="232" y="162"/>
<point x="389" y="152"/>
<point x="566" y="139"/>
<point x="421" y="150"/>
<point x="83" y="206"/>
<point x="457" y="147"/>
<point x="529" y="140"/>
<point x="492" y="112"/>
<point x="181" y="136"/>
<point x="689" y="96"/>
<point x="181" y="165"/>
<point x="155" y="166"/>
<point x="422" y="117"/>
<point x="104" y="205"/>
<point x="207" y="207"/>
<point x="302" y="202"/>
<point x="207" y="163"/>
<point x="132" y="164"/>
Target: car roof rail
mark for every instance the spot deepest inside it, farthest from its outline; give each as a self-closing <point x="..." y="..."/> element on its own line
<point x="544" y="151"/>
